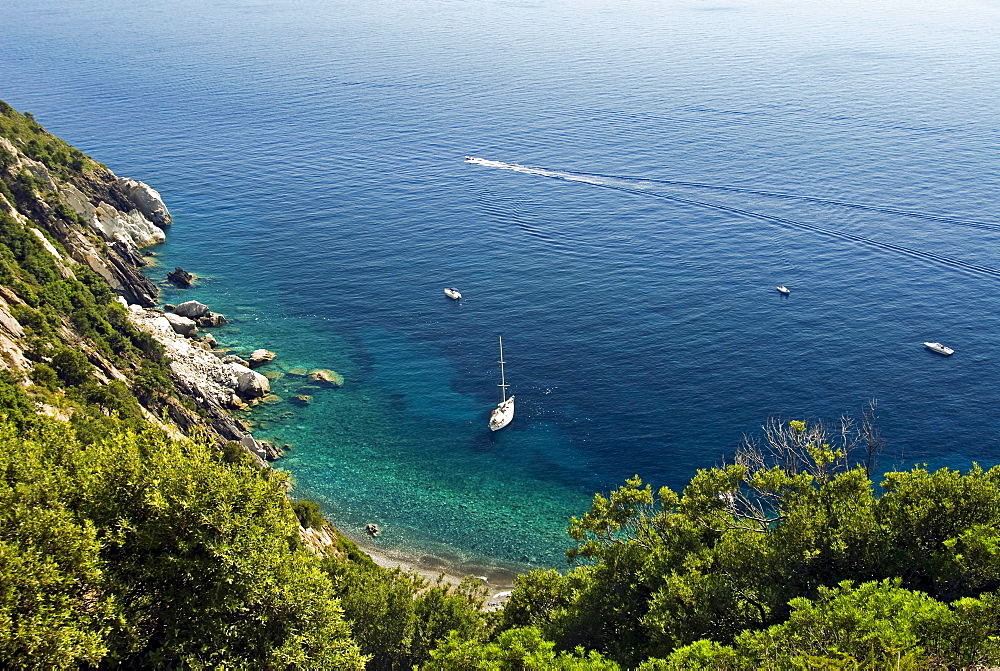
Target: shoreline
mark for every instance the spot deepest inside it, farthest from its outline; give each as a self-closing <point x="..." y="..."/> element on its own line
<point x="497" y="579"/>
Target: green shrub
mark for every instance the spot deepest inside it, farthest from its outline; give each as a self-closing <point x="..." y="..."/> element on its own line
<point x="309" y="514"/>
<point x="71" y="366"/>
<point x="233" y="452"/>
<point x="44" y="376"/>
<point x="151" y="383"/>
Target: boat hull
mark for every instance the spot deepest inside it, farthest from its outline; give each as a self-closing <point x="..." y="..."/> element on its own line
<point x="502" y="414"/>
<point x="939" y="348"/>
<point x="453" y="293"/>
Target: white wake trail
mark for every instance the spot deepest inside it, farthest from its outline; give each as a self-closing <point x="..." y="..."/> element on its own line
<point x="628" y="185"/>
<point x="527" y="170"/>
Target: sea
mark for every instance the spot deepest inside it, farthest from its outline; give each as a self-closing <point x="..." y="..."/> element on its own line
<point x="616" y="188"/>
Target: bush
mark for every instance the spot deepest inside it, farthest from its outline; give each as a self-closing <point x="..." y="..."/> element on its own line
<point x="71" y="366"/>
<point x="234" y="453"/>
<point x="308" y="513"/>
<point x="44" y="376"/>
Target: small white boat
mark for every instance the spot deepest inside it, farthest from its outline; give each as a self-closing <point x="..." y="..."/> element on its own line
<point x="782" y="289"/>
<point x="504" y="412"/>
<point x="939" y="348"/>
<point x="451" y="292"/>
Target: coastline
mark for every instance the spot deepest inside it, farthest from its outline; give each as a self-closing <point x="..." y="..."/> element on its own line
<point x="196" y="366"/>
<point x="499" y="581"/>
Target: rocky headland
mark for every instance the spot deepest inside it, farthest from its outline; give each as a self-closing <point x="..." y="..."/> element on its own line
<point x="85" y="215"/>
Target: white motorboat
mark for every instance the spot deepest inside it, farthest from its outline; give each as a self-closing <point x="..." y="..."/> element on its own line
<point x="504" y="412"/>
<point x="939" y="348"/>
<point x="782" y="289"/>
<point x="452" y="292"/>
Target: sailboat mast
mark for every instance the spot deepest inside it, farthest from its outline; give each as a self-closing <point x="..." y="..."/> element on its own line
<point x="503" y="382"/>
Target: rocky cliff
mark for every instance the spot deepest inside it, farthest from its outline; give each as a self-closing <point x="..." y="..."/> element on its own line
<point x="85" y="216"/>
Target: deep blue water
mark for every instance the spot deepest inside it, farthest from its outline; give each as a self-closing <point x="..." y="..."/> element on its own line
<point x="311" y="152"/>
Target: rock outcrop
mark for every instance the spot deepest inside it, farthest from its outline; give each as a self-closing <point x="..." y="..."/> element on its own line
<point x="191" y="309"/>
<point x="147" y="200"/>
<point x="200" y="313"/>
<point x="259" y="357"/>
<point x="115" y="226"/>
<point x="181" y="325"/>
<point x="107" y="219"/>
<point x="211" y="319"/>
<point x="11" y="333"/>
<point x="86" y="216"/>
<point x="219" y="381"/>
<point x="181" y="278"/>
<point x="250" y="383"/>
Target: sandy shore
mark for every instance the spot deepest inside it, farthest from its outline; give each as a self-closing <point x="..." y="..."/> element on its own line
<point x="498" y="580"/>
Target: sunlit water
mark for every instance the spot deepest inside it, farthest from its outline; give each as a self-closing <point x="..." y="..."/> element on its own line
<point x="642" y="176"/>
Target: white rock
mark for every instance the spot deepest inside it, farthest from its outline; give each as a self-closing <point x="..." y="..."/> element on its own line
<point x="111" y="221"/>
<point x="147" y="199"/>
<point x="250" y="384"/>
<point x="38" y="171"/>
<point x="181" y="325"/>
<point x="198" y="367"/>
<point x="49" y="247"/>
<point x="191" y="309"/>
<point x="260" y="356"/>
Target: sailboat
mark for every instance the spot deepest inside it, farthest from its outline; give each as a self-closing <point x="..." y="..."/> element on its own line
<point x="504" y="412"/>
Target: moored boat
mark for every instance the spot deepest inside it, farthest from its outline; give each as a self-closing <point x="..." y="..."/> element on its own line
<point x="504" y="412"/>
<point x="939" y="348"/>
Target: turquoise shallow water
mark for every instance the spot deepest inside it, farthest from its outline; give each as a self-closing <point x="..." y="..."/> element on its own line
<point x="685" y="158"/>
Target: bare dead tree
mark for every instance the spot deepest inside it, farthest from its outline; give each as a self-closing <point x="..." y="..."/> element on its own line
<point x="871" y="436"/>
<point x="795" y="448"/>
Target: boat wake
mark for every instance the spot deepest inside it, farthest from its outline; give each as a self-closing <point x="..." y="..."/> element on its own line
<point x="633" y="186"/>
<point x="960" y="221"/>
<point x="586" y="178"/>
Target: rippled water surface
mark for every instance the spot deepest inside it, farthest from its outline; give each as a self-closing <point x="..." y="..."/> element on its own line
<point x="643" y="175"/>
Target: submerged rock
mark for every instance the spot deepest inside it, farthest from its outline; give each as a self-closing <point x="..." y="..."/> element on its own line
<point x="259" y="357"/>
<point x="298" y="370"/>
<point x="328" y="377"/>
<point x="302" y="399"/>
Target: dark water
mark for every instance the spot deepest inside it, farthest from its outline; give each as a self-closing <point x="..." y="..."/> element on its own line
<point x="684" y="158"/>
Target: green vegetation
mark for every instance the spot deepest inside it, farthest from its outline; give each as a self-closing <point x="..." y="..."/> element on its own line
<point x="308" y="514"/>
<point x="56" y="303"/>
<point x="756" y="563"/>
<point x="137" y="551"/>
<point x="398" y="618"/>
<point x="39" y="144"/>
